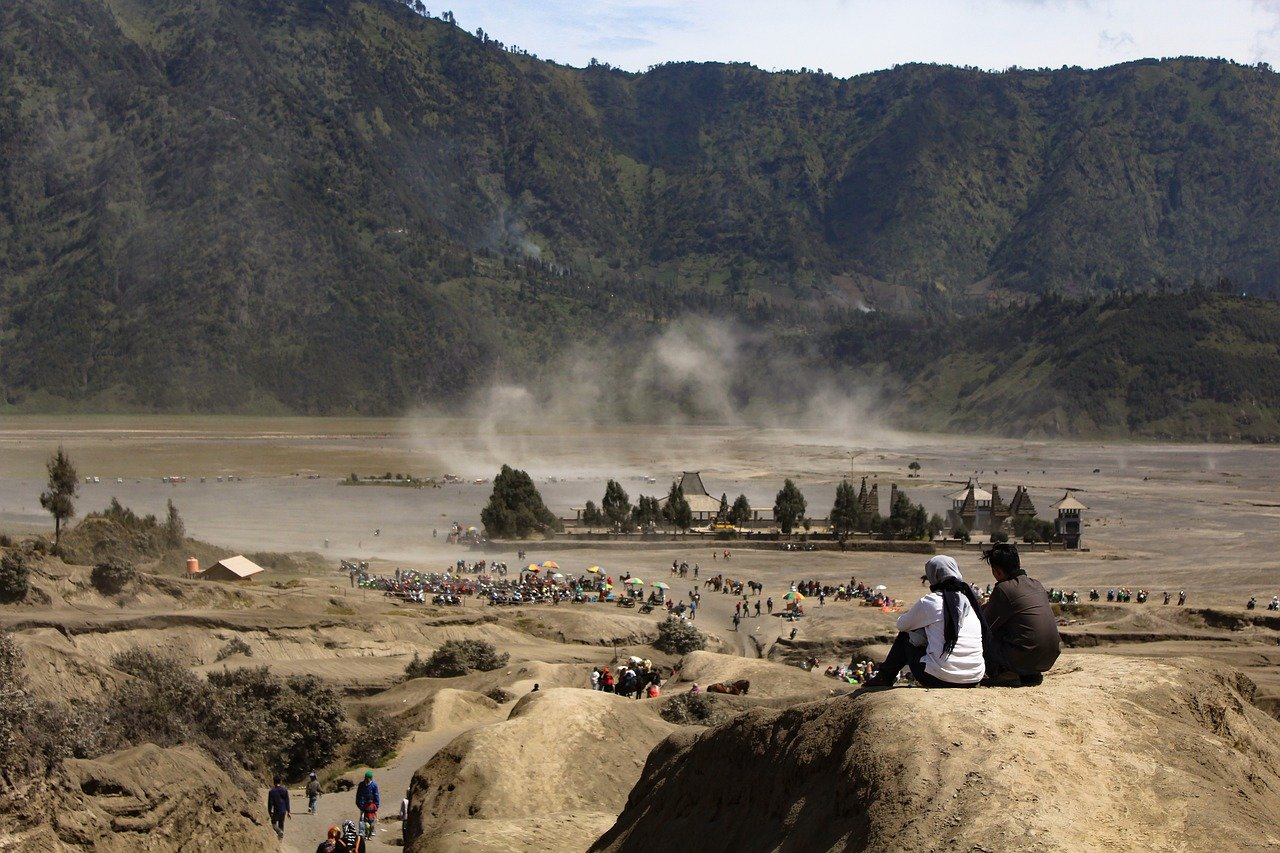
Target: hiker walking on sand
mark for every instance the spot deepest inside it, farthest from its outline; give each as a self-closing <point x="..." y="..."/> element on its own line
<point x="736" y="620"/>
<point x="350" y="840"/>
<point x="368" y="801"/>
<point x="278" y="807"/>
<point x="313" y="793"/>
<point x="330" y="844"/>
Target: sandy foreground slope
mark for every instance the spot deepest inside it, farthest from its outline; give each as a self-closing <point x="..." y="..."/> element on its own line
<point x="1144" y="737"/>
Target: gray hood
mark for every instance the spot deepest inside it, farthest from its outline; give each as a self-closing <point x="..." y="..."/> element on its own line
<point x="940" y="568"/>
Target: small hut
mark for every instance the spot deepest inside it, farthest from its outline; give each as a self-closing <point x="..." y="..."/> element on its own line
<point x="237" y="568"/>
<point x="1067" y="524"/>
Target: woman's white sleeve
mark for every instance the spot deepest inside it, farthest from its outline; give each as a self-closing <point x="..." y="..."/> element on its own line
<point x="923" y="612"/>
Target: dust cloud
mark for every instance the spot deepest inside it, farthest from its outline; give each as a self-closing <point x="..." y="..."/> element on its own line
<point x="698" y="371"/>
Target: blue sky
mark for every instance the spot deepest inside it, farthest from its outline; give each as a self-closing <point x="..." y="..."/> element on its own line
<point x="853" y="36"/>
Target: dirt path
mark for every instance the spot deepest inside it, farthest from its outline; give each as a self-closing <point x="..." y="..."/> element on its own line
<point x="303" y="832"/>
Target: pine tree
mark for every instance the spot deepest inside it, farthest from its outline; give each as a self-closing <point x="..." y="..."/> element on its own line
<point x="845" y="517"/>
<point x="59" y="500"/>
<point x="175" y="531"/>
<point x="616" y="505"/>
<point x="677" y="511"/>
<point x="788" y="507"/>
<point x="515" y="508"/>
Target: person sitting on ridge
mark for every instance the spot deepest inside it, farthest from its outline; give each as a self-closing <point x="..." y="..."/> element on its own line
<point x="1024" y="632"/>
<point x="941" y="637"/>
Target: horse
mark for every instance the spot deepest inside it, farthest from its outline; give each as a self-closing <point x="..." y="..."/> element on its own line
<point x="734" y="688"/>
<point x="755" y="586"/>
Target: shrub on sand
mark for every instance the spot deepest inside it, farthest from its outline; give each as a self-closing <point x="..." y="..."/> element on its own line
<point x="678" y="637"/>
<point x="455" y="658"/>
<point x="696" y="709"/>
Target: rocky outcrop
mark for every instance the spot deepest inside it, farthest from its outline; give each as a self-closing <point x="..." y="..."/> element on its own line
<point x="145" y="799"/>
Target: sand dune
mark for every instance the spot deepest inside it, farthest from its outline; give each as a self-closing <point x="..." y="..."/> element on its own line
<point x="768" y="680"/>
<point x="561" y="750"/>
<point x="1111" y="753"/>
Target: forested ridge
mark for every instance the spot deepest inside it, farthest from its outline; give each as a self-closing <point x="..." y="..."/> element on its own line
<point x="328" y="207"/>
<point x="1196" y="365"/>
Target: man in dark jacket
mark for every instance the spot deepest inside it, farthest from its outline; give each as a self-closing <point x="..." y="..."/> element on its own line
<point x="278" y="807"/>
<point x="1021" y="620"/>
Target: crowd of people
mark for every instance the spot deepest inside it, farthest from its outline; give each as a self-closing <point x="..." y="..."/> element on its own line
<point x="637" y="678"/>
<point x="860" y="672"/>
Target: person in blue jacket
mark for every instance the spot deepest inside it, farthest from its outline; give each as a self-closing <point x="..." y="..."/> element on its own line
<point x="368" y="802"/>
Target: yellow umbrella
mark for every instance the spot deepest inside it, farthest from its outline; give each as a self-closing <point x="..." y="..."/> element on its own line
<point x="550" y="564"/>
<point x="595" y="570"/>
<point x="534" y="567"/>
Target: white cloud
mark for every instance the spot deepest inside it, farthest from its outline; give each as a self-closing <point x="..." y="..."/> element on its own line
<point x="1115" y="42"/>
<point x="849" y="37"/>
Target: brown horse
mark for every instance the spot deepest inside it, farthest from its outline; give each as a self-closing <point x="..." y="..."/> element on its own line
<point x="734" y="688"/>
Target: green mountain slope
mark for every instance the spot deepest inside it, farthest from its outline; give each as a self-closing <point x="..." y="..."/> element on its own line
<point x="1197" y="365"/>
<point x="343" y="206"/>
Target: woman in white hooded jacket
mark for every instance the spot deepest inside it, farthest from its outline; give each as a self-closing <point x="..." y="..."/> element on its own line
<point x="941" y="637"/>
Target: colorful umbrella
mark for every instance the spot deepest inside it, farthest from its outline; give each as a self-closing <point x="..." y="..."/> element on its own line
<point x="793" y="596"/>
<point x="595" y="570"/>
<point x="550" y="564"/>
<point x="635" y="582"/>
<point x="661" y="585"/>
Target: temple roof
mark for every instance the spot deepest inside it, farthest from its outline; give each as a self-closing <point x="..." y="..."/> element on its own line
<point x="1068" y="502"/>
<point x="978" y="494"/>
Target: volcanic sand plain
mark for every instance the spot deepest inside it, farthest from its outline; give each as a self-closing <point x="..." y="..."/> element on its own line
<point x="1179" y="517"/>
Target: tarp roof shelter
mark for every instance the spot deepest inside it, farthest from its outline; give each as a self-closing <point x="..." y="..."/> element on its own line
<point x="235" y="568"/>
